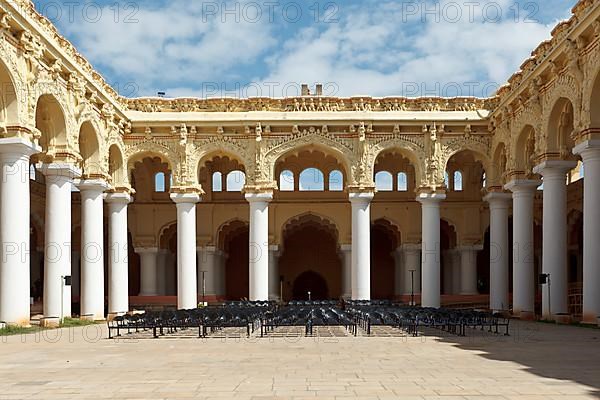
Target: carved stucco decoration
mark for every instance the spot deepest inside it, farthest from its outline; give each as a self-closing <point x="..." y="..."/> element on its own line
<point x="165" y="149"/>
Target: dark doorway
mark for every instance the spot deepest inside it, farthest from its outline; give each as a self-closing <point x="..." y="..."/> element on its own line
<point x="312" y="282"/>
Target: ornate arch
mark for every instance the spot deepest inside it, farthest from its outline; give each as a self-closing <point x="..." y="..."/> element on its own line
<point x="565" y="86"/>
<point x="229" y="148"/>
<point x="310" y="217"/>
<point x="411" y="148"/>
<point x="92" y="120"/>
<point x="134" y="152"/>
<point x="391" y="226"/>
<point x="340" y="149"/>
<point x="10" y="61"/>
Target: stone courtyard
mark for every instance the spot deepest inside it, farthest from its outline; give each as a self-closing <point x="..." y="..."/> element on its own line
<point x="538" y="361"/>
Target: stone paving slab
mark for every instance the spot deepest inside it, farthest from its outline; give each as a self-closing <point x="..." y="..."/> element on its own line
<point x="538" y="361"/>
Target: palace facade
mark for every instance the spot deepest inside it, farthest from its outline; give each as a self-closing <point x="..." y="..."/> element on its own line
<point x="108" y="203"/>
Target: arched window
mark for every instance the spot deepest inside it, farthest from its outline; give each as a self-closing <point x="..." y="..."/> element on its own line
<point x="458" y="181"/>
<point x="311" y="180"/>
<point x="402" y="182"/>
<point x="447" y="180"/>
<point x="336" y="181"/>
<point x="236" y="181"/>
<point x="286" y="181"/>
<point x="32" y="172"/>
<point x="217" y="182"/>
<point x="159" y="182"/>
<point x="384" y="181"/>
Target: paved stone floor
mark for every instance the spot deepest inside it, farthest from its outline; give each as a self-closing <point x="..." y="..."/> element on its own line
<point x="538" y="361"/>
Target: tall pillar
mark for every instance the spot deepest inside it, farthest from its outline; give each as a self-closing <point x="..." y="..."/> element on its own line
<point x="57" y="257"/>
<point x="554" y="240"/>
<point x="118" y="263"/>
<point x="590" y="153"/>
<point x="346" y="257"/>
<point x="430" y="205"/>
<point x="499" y="204"/>
<point x="187" y="286"/>
<point x="411" y="262"/>
<point x="274" y="285"/>
<point x="361" y="245"/>
<point x="148" y="271"/>
<point x="523" y="248"/>
<point x="468" y="269"/>
<point x="92" y="249"/>
<point x="207" y="266"/>
<point x="161" y="272"/>
<point x="259" y="245"/>
<point x="221" y="271"/>
<point x="14" y="230"/>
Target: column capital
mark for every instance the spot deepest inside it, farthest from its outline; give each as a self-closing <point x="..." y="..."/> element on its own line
<point x="66" y="170"/>
<point x="361" y="197"/>
<point x="498" y="199"/>
<point x="99" y="185"/>
<point x="523" y="185"/>
<point x="256" y="197"/>
<point x="427" y="197"/>
<point x="185" y="198"/>
<point x="273" y="247"/>
<point x="18" y="145"/>
<point x="212" y="249"/>
<point x="589" y="149"/>
<point x="118" y="198"/>
<point x="345" y="247"/>
<point x="554" y="167"/>
<point x="408" y="247"/>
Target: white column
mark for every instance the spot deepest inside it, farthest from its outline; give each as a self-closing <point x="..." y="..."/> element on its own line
<point x="499" y="204"/>
<point x="148" y="271"/>
<point x="92" y="248"/>
<point x="554" y="235"/>
<point x="412" y="262"/>
<point x="468" y="269"/>
<point x="57" y="257"/>
<point x="118" y="263"/>
<point x="161" y="272"/>
<point x="523" y="248"/>
<point x="207" y="265"/>
<point x="274" y="273"/>
<point x="398" y="271"/>
<point x="346" y="257"/>
<point x="14" y="230"/>
<point x="259" y="245"/>
<point x="590" y="153"/>
<point x="187" y="286"/>
<point x="361" y="245"/>
<point x="430" y="205"/>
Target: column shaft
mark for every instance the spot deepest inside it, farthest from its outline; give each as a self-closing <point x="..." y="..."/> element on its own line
<point x="207" y="265"/>
<point x="259" y="245"/>
<point x="554" y="240"/>
<point x="499" y="204"/>
<point x="14" y="231"/>
<point x="412" y="262"/>
<point x="430" y="205"/>
<point x="523" y="248"/>
<point x="590" y="153"/>
<point x="346" y="257"/>
<point x="57" y="257"/>
<point x="187" y="286"/>
<point x="92" y="249"/>
<point x="361" y="245"/>
<point x="118" y="263"/>
<point x="468" y="270"/>
<point x="148" y="271"/>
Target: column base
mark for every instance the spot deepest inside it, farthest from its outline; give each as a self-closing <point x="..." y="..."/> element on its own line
<point x="590" y="319"/>
<point x="564" y="319"/>
<point x="50" y="322"/>
<point x="526" y="315"/>
<point x="468" y="294"/>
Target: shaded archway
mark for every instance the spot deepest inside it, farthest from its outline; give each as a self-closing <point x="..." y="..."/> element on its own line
<point x="310" y="246"/>
<point x="167" y="279"/>
<point x="233" y="239"/>
<point x="50" y="121"/>
<point x="385" y="240"/>
<point x="310" y="282"/>
<point x="89" y="148"/>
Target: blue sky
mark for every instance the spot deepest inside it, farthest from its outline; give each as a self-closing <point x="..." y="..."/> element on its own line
<point x="270" y="47"/>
